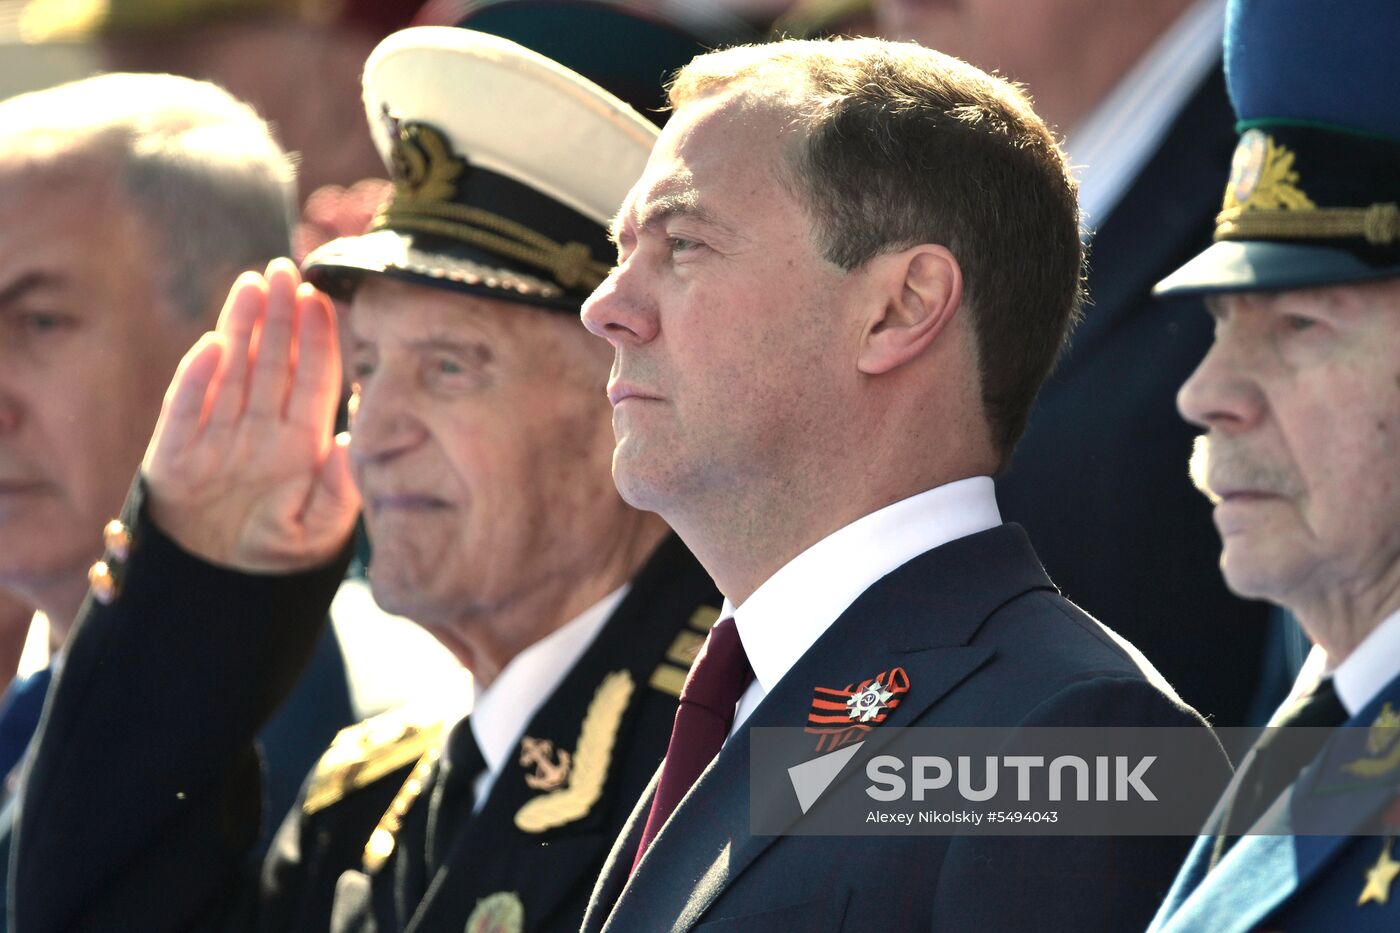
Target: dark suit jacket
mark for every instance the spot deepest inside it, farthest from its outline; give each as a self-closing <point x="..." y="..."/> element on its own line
<point x="986" y="641"/>
<point x="152" y="830"/>
<point x="1099" y="480"/>
<point x="1308" y="882"/>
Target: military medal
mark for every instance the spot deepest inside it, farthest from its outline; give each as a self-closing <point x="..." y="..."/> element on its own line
<point x="501" y="912"/>
<point x="838" y="716"/>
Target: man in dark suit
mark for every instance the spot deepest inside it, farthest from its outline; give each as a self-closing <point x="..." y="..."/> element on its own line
<point x="840" y="281"/>
<point x="1299" y="403"/>
<point x="481" y="446"/>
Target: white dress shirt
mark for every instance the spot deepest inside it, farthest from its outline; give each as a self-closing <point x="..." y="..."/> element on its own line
<point x="791" y="609"/>
<point x="1370" y="666"/>
<point x="501" y="712"/>
<point x="1109" y="148"/>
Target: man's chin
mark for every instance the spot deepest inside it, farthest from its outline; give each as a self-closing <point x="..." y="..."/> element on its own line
<point x="1249" y="574"/>
<point x="633" y="484"/>
<point x="396" y="593"/>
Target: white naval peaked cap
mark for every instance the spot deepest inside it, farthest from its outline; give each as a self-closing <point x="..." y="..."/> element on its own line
<point x="507" y="170"/>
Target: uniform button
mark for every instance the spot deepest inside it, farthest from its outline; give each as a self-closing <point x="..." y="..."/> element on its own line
<point x="104" y="585"/>
<point x="117" y="539"/>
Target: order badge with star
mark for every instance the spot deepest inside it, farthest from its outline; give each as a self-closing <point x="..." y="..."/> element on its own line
<point x="839" y="715"/>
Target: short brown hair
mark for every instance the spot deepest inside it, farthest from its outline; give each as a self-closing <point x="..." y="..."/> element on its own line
<point x="904" y="145"/>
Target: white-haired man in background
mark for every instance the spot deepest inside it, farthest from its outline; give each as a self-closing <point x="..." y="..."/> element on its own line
<point x="128" y="204"/>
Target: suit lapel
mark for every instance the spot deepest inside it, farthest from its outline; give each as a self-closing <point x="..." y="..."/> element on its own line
<point x="618" y="866"/>
<point x="921" y="617"/>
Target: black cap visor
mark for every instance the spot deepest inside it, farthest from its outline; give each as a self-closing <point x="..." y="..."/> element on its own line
<point x="1259" y="266"/>
<point x="338" y="267"/>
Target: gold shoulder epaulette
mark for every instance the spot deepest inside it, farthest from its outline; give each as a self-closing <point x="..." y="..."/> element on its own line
<point x="367" y="751"/>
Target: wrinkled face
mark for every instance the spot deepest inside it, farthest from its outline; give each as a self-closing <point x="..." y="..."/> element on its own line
<point x="480" y="443"/>
<point x="1300" y="396"/>
<point x="88" y="343"/>
<point x="724" y="318"/>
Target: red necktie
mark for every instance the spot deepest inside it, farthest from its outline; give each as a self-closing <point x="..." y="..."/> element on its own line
<point x="717" y="680"/>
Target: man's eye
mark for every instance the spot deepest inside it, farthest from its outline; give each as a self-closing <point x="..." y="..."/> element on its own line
<point x="1298" y="324"/>
<point x="680" y="244"/>
<point x="43" y="322"/>
<point x="361" y="369"/>
<point x="447" y="366"/>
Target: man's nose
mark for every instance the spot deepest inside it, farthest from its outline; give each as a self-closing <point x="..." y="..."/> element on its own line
<point x="383" y="423"/>
<point x="622" y="310"/>
<point x="1222" y="393"/>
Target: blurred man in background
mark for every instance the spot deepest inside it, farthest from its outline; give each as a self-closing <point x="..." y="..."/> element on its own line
<point x="128" y="203"/>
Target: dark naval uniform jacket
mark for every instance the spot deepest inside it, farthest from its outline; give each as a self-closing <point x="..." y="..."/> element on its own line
<point x="1325" y="857"/>
<point x="985" y="640"/>
<point x="150" y="826"/>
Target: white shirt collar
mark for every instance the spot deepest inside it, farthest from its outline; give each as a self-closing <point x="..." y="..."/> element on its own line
<point x="1112" y="144"/>
<point x="1370" y="666"/>
<point x="792" y="608"/>
<point x="501" y="712"/>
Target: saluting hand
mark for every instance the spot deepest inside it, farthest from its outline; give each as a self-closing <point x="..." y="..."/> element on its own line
<point x="244" y="468"/>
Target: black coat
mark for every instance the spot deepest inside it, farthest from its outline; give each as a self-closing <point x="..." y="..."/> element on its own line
<point x="151" y="827"/>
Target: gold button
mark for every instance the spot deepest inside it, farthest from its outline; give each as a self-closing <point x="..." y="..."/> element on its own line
<point x="117" y="539"/>
<point x="104" y="585"/>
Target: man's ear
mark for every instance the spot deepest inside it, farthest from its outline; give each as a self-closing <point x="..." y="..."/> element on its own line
<point x="921" y="289"/>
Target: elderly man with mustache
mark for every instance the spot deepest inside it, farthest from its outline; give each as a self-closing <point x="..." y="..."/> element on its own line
<point x="1300" y="400"/>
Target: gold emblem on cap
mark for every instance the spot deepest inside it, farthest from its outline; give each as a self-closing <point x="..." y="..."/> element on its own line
<point x="592" y="759"/>
<point x="423" y="165"/>
<point x="1264" y="200"/>
<point x="501" y="912"/>
<point x="426" y="173"/>
<point x="1262" y="177"/>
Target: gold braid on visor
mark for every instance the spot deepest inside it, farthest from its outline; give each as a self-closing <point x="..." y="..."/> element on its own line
<point x="1378" y="224"/>
<point x="570" y="264"/>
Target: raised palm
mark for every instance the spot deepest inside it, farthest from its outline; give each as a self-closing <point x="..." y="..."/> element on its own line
<point x="244" y="468"/>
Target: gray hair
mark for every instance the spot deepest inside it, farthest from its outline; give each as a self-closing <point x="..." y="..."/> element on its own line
<point x="202" y="168"/>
